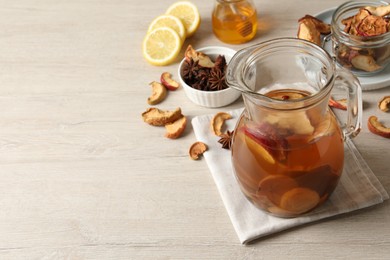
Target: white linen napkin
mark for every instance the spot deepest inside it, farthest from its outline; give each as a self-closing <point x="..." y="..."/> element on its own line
<point x="358" y="187"/>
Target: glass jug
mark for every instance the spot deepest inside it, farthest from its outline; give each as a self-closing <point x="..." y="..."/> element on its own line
<point x="288" y="150"/>
<point x="234" y="21"/>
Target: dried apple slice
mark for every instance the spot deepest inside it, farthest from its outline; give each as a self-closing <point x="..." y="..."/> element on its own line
<point x="175" y="129"/>
<point x="365" y="62"/>
<point x="203" y="59"/>
<point x="197" y="149"/>
<point x="378" y="10"/>
<point x="384" y="104"/>
<point x="218" y="121"/>
<point x="377" y="127"/>
<point x="274" y="186"/>
<point x="296" y="122"/>
<point x="284" y="95"/>
<point x="159" y="92"/>
<point x="321" y="179"/>
<point x="340" y="104"/>
<point x="356" y="20"/>
<point x="372" y="25"/>
<point x="299" y="200"/>
<point x="307" y="31"/>
<point x="157" y="117"/>
<point x="168" y="82"/>
<point x="322" y="27"/>
<point x="265" y="143"/>
<point x="259" y="150"/>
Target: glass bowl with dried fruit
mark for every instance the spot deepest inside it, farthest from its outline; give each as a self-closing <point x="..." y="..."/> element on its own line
<point x="202" y="75"/>
<point x="361" y="36"/>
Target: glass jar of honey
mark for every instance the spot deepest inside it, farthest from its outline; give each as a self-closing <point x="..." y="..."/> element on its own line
<point x="234" y="21"/>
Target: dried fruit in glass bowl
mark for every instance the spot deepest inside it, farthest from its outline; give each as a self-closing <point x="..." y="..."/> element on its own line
<point x="361" y="41"/>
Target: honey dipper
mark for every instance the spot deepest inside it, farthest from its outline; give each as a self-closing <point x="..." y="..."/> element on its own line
<point x="243" y="28"/>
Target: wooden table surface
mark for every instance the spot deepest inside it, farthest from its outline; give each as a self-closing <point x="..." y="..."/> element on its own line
<point x="83" y="177"/>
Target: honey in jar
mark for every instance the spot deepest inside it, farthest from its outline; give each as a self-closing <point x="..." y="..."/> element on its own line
<point x="234" y="21"/>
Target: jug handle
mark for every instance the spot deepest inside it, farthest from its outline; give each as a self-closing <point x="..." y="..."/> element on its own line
<point x="346" y="81"/>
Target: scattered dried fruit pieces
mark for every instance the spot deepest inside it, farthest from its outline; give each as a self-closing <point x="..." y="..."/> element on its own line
<point x="159" y="92"/>
<point x="158" y="117"/>
<point x="384" y="104"/>
<point x="377" y="127"/>
<point x="175" y="129"/>
<point x="168" y="82"/>
<point x="218" y="121"/>
<point x="197" y="149"/>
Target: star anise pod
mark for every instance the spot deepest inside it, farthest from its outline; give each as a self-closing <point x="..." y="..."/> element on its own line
<point x="190" y="70"/>
<point x="217" y="79"/>
<point x="226" y="140"/>
<point x="220" y="63"/>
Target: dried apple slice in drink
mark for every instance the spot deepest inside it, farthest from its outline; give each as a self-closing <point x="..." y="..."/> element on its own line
<point x="299" y="200"/>
<point x="296" y="122"/>
<point x="274" y="186"/>
<point x="321" y="179"/>
<point x="258" y="148"/>
<point x="265" y="143"/>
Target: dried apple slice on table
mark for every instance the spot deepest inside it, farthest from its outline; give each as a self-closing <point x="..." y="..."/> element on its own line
<point x="175" y="129"/>
<point x="377" y="127"/>
<point x="159" y="92"/>
<point x="168" y="82"/>
<point x="218" y="121"/>
<point x="384" y="104"/>
<point x="158" y="117"/>
<point x="197" y="149"/>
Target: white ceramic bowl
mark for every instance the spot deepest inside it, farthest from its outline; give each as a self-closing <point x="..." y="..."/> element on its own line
<point x="217" y="98"/>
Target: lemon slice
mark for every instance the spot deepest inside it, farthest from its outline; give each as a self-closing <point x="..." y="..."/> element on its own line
<point x="161" y="46"/>
<point x="169" y="21"/>
<point x="188" y="14"/>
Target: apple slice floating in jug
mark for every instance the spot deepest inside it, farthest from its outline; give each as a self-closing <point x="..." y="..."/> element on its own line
<point x="264" y="141"/>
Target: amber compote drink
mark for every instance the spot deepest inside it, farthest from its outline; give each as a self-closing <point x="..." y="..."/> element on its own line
<point x="288" y="166"/>
<point x="288" y="146"/>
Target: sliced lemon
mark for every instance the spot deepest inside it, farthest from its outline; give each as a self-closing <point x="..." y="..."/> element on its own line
<point x="188" y="14"/>
<point x="170" y="21"/>
<point x="161" y="46"/>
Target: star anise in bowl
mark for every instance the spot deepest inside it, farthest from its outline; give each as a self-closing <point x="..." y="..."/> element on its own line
<point x="205" y="78"/>
<point x="202" y="76"/>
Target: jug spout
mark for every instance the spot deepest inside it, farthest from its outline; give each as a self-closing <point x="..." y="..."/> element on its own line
<point x="234" y="72"/>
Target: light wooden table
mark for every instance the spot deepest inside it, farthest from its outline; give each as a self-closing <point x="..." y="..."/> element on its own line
<point x="83" y="177"/>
